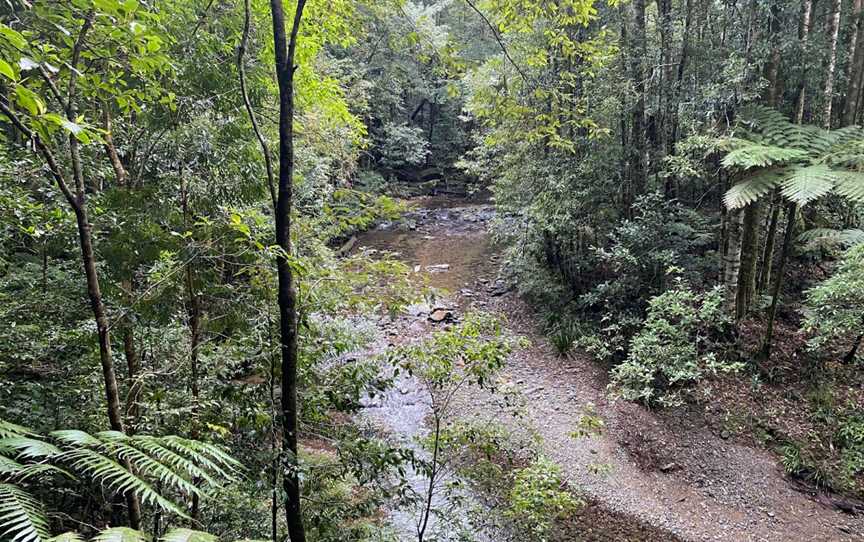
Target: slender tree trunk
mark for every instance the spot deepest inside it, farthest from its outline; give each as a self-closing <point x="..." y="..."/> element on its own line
<point x="285" y="52"/>
<point x="120" y="174"/>
<point x="194" y="323"/>
<point x="803" y="36"/>
<point x="747" y="263"/>
<point x="94" y="292"/>
<point x="679" y="80"/>
<point x="791" y="212"/>
<point x="768" y="254"/>
<point x="639" y="148"/>
<point x="856" y="67"/>
<point x="832" y="64"/>
<point x="732" y="257"/>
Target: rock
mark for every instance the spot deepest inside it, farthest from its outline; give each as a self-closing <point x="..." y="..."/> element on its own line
<point x="667" y="467"/>
<point x="440" y="315"/>
<point x="725" y="435"/>
<point x="438" y="268"/>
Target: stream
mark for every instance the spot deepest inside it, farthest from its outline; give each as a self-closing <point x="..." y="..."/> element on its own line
<point x="447" y="248"/>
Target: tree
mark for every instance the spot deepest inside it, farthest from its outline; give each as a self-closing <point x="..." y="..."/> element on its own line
<point x="287" y="290"/>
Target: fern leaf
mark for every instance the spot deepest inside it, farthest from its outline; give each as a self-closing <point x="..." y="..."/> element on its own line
<point x="66" y="537"/>
<point x="156" y="449"/>
<point x="761" y="156"/>
<point x="118" y="478"/>
<point x="206" y="455"/>
<point x="149" y="467"/>
<point x="752" y="188"/>
<point x="121" y="534"/>
<point x="22" y="518"/>
<point x="18" y="472"/>
<point x="188" y="535"/>
<point x="829" y="237"/>
<point x="806" y="184"/>
<point x="850" y="184"/>
<point x="9" y="430"/>
<point x="29" y="447"/>
<point x="74" y="437"/>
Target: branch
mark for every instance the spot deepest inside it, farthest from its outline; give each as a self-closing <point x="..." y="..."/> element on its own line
<point x="498" y="39"/>
<point x="265" y="150"/>
<point x="44" y="151"/>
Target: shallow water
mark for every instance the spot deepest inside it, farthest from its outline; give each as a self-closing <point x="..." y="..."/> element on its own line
<point x="448" y="249"/>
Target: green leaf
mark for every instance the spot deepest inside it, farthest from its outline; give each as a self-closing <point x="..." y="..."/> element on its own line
<point x="6" y="69"/>
<point x="66" y="537"/>
<point x="13" y="37"/>
<point x="29" y="100"/>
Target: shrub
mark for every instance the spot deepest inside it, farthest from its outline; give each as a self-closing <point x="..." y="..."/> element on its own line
<point x="675" y="346"/>
<point x="403" y="146"/>
<point x="836" y="306"/>
<point x="538" y="498"/>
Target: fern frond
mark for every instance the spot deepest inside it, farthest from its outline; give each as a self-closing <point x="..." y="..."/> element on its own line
<point x="761" y="156"/>
<point x="29" y="447"/>
<point x="9" y="429"/>
<point x="74" y="437"/>
<point x="752" y="188"/>
<point x="121" y="534"/>
<point x="208" y="456"/>
<point x="850" y="184"/>
<point x="830" y="237"/>
<point x="118" y="478"/>
<point x="151" y="468"/>
<point x="66" y="537"/>
<point x="22" y="518"/>
<point x="806" y="184"/>
<point x="12" y="470"/>
<point x="188" y="535"/>
<point x="156" y="449"/>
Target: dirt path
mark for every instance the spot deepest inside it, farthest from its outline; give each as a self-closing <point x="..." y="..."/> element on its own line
<point x="649" y="476"/>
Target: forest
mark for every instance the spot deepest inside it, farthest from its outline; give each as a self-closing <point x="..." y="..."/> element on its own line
<point x="431" y="270"/>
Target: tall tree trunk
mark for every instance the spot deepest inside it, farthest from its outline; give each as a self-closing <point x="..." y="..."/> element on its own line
<point x="679" y="79"/>
<point x="832" y="63"/>
<point x="285" y="52"/>
<point x="732" y="256"/>
<point x="746" y="290"/>
<point x="791" y="212"/>
<point x="768" y="253"/>
<point x="803" y="37"/>
<point x="856" y="67"/>
<point x="638" y="143"/>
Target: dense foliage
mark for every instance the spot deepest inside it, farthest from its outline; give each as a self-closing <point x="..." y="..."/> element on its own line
<point x="678" y="189"/>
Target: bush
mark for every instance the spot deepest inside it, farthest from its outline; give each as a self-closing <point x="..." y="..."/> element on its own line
<point x="836" y="306"/>
<point x="676" y="345"/>
<point x="403" y="146"/>
<point x="538" y="498"/>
